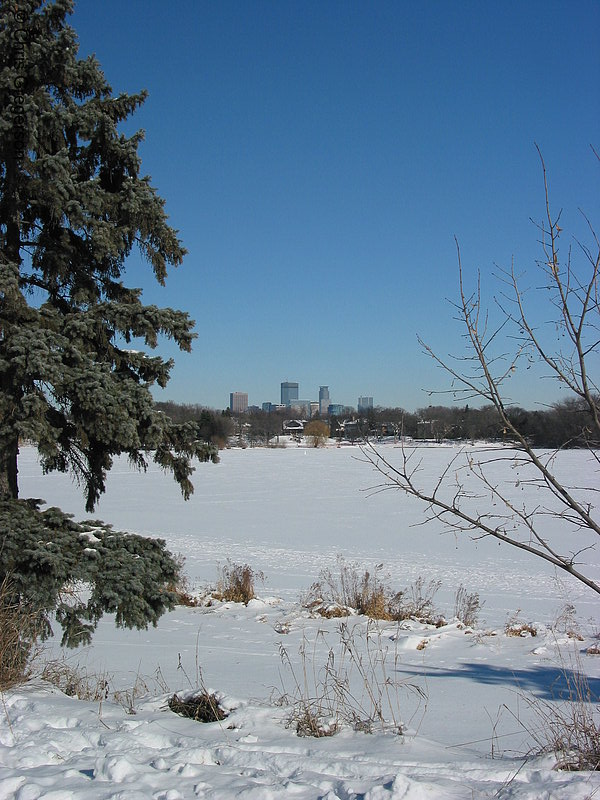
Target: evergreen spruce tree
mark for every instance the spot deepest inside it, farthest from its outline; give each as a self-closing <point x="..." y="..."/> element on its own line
<point x="73" y="206"/>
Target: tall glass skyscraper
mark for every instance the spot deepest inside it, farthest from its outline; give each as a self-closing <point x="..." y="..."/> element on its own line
<point x="323" y="399"/>
<point x="289" y="392"/>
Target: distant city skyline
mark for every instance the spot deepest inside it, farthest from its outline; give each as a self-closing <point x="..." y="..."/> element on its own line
<point x="289" y="394"/>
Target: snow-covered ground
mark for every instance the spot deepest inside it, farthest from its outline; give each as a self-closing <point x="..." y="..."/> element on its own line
<point x="463" y="698"/>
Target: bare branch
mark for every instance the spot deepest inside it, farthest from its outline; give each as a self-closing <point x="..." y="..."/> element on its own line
<point x="483" y="372"/>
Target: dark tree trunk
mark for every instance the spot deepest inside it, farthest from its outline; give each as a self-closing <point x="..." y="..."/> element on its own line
<point x="9" y="487"/>
<point x="11" y="251"/>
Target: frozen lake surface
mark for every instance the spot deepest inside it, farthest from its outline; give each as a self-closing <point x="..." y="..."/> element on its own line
<point x="289" y="512"/>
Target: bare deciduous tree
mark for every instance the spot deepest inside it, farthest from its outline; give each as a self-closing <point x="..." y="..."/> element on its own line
<point x="470" y="495"/>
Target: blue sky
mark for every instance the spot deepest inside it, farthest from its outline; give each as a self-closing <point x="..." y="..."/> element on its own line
<point x="318" y="159"/>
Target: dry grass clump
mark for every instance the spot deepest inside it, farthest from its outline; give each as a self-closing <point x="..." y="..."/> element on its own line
<point x="467" y="606"/>
<point x="127" y="698"/>
<point x="76" y="681"/>
<point x="309" y="723"/>
<point x="17" y="638"/>
<point x="515" y="627"/>
<point x="350" y="590"/>
<point x="186" y="599"/>
<point x="566" y="623"/>
<point x="417" y="602"/>
<point x="363" y="591"/>
<point x="355" y="685"/>
<point x="328" y="610"/>
<point x="201" y="707"/>
<point x="523" y="629"/>
<point x="236" y="583"/>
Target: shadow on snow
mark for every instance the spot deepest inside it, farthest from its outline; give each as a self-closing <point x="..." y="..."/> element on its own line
<point x="548" y="683"/>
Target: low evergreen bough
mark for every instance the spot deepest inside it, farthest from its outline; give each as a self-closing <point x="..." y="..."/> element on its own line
<point x="81" y="570"/>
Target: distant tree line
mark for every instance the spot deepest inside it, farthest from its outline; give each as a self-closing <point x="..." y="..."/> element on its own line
<point x="564" y="424"/>
<point x="214" y="427"/>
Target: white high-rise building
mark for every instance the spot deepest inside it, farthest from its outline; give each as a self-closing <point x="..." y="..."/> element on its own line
<point x="364" y="403"/>
<point x="238" y="402"/>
